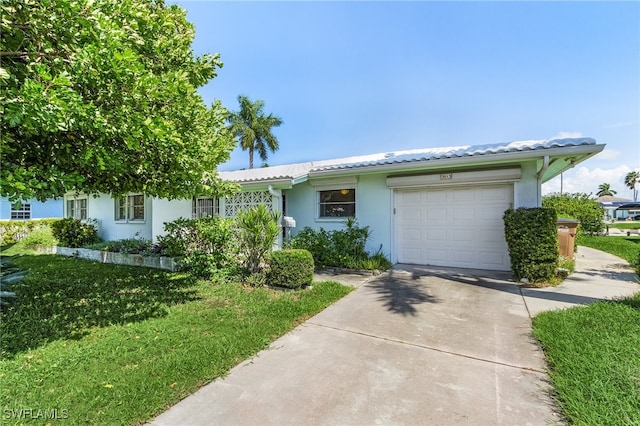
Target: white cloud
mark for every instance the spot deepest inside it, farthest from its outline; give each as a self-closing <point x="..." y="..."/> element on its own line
<point x="564" y="135"/>
<point x="608" y="154"/>
<point x="586" y="181"/>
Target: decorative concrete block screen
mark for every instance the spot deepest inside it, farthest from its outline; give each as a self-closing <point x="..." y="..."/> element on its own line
<point x="244" y="201"/>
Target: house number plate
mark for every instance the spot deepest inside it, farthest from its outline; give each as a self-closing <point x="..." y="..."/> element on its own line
<point x="445" y="176"/>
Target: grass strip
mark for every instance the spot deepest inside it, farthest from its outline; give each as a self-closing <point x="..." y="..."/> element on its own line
<point x="91" y="343"/>
<point x="624" y="247"/>
<point x="594" y="358"/>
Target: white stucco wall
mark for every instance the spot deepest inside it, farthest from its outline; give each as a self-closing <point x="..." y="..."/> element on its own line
<point x="164" y="210"/>
<point x="102" y="208"/>
<point x="526" y="191"/>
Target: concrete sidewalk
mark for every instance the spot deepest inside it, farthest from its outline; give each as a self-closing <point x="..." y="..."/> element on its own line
<point x="415" y="345"/>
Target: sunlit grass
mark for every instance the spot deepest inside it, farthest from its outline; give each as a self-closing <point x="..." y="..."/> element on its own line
<point x="594" y="357"/>
<point x="593" y="351"/>
<point x="114" y="344"/>
<point x="624" y="247"/>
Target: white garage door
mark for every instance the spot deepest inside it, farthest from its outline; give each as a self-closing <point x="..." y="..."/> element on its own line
<point x="455" y="226"/>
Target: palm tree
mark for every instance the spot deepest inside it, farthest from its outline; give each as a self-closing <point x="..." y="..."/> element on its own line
<point x="253" y="128"/>
<point x="605" y="189"/>
<point x="631" y="180"/>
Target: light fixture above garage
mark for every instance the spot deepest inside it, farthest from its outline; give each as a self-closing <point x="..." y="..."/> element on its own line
<point x="344" y="191"/>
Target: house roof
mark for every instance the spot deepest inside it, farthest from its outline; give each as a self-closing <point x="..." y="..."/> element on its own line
<point x="606" y="200"/>
<point x="411" y="159"/>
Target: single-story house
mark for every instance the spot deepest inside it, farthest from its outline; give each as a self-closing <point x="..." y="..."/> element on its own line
<point x="30" y="209"/>
<point x="628" y="211"/>
<point x="611" y="205"/>
<point x="436" y="206"/>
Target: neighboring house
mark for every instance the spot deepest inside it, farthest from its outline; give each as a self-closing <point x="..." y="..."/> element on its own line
<point x="436" y="206"/>
<point x="30" y="209"/>
<point x="611" y="205"/>
<point x="628" y="211"/>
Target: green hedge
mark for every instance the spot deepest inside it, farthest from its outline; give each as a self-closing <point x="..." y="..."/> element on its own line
<point x="12" y="231"/>
<point x="73" y="233"/>
<point x="532" y="238"/>
<point x="291" y="268"/>
<point x="578" y="206"/>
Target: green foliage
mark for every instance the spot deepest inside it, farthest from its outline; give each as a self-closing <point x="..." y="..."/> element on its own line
<point x="594" y="360"/>
<point x="257" y="231"/>
<point x="116" y="345"/>
<point x="73" y="233"/>
<point x="635" y="264"/>
<point x="291" y="268"/>
<point x="134" y="245"/>
<point x="532" y="238"/>
<point x="343" y="248"/>
<point x="631" y="180"/>
<point x="253" y="128"/>
<point x="577" y="206"/>
<point x="202" y="246"/>
<point x="12" y="231"/>
<point x="628" y="248"/>
<point x="39" y="237"/>
<point x="102" y="97"/>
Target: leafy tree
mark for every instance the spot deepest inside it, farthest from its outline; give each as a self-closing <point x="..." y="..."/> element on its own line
<point x="631" y="180"/>
<point x="101" y="96"/>
<point x="605" y="189"/>
<point x="577" y="206"/>
<point x="253" y="128"/>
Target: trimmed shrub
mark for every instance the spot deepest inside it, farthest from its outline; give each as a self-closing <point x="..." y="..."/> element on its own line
<point x="201" y="246"/>
<point x="290" y="268"/>
<point x="73" y="233"/>
<point x="532" y="238"/>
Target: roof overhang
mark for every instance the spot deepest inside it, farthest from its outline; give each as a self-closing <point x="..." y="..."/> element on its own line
<point x="561" y="159"/>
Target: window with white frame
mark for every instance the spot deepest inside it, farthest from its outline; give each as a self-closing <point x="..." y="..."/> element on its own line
<point x="21" y="211"/>
<point x="205" y="207"/>
<point x="77" y="208"/>
<point x="129" y="208"/>
<point x="337" y="203"/>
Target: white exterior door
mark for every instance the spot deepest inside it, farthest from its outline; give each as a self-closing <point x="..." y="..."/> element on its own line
<point x="453" y="226"/>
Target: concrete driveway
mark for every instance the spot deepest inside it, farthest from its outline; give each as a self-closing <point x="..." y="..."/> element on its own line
<point x="415" y="345"/>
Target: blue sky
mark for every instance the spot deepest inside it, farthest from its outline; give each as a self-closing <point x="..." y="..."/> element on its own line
<point x="351" y="78"/>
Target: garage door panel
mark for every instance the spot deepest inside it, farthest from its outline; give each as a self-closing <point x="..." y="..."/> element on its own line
<point x="436" y="234"/>
<point x="435" y="196"/>
<point x="459" y="227"/>
<point x="493" y="194"/>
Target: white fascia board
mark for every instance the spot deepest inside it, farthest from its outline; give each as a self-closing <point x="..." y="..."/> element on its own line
<point x="471" y="160"/>
<point x="263" y="185"/>
<point x="455" y="178"/>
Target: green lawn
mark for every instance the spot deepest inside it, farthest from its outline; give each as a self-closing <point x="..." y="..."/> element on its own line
<point x="625" y="225"/>
<point x="621" y="246"/>
<point x="92" y="343"/>
<point x="593" y="352"/>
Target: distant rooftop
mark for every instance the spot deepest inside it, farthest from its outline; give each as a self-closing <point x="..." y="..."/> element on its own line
<point x="300" y="170"/>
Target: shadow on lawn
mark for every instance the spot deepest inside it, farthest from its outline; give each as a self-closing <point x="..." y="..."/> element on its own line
<point x="62" y="298"/>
